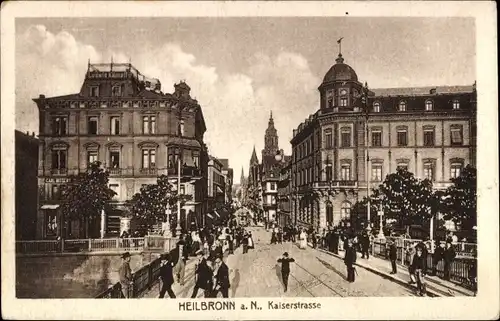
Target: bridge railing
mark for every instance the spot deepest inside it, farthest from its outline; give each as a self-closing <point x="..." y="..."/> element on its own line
<point x="137" y="244"/>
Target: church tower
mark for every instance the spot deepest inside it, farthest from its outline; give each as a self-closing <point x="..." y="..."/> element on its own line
<point x="270" y="139"/>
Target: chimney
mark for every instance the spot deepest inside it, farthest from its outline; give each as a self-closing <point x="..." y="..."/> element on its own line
<point x="42" y="97"/>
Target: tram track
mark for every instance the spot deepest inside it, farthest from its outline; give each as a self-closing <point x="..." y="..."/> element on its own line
<point x="317" y="281"/>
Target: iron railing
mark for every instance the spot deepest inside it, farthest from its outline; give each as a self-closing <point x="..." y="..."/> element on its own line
<point x="138" y="244"/>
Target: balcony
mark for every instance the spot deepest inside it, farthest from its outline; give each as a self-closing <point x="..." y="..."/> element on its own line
<point x="59" y="171"/>
<point x="335" y="184"/>
<point x="115" y="171"/>
<point x="148" y="171"/>
<point x="186" y="172"/>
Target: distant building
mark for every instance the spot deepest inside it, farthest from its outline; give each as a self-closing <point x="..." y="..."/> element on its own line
<point x="358" y="136"/>
<point x="122" y="119"/>
<point x="285" y="194"/>
<point x="228" y="176"/>
<point x="26" y="158"/>
<point x="216" y="185"/>
<point x="264" y="177"/>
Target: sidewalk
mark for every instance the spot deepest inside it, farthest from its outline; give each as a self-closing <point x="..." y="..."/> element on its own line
<point x="436" y="287"/>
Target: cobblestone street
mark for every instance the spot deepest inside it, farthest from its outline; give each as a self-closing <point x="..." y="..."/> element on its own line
<point x="315" y="274"/>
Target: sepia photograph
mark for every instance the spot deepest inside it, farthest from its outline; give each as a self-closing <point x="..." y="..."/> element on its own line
<point x="210" y="158"/>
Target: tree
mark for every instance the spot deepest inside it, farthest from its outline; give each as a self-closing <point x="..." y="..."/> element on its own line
<point x="460" y="204"/>
<point x="151" y="203"/>
<point x="86" y="196"/>
<point x="407" y="199"/>
<point x="359" y="215"/>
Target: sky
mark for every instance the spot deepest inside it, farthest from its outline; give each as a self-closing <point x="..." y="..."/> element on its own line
<point x="241" y="69"/>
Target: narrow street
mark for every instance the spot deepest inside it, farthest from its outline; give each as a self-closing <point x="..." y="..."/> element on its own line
<point x="315" y="274"/>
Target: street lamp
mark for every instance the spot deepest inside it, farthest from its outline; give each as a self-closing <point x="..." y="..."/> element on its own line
<point x="178" y="228"/>
<point x="364" y="100"/>
<point x="278" y="157"/>
<point x="381" y="215"/>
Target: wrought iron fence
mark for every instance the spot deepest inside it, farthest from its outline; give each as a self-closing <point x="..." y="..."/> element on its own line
<point x="138" y="244"/>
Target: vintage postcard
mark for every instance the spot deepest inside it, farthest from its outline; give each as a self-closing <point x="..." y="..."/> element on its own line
<point x="249" y="160"/>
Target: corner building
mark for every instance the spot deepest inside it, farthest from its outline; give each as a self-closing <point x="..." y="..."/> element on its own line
<point x="122" y="119"/>
<point x="358" y="136"/>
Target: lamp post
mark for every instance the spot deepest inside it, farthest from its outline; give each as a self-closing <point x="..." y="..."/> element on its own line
<point x="381" y="215"/>
<point x="364" y="100"/>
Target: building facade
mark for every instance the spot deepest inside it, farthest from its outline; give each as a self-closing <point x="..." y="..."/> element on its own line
<point x="123" y="120"/>
<point x="227" y="172"/>
<point x="358" y="136"/>
<point x="285" y="194"/>
<point x="216" y="185"/>
<point x="26" y="155"/>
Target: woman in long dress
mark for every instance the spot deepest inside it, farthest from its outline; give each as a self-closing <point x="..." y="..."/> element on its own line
<point x="303" y="240"/>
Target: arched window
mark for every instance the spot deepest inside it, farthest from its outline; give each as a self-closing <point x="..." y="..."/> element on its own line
<point x="345" y="210"/>
<point x="376" y="107"/>
<point x="429" y="105"/>
<point x="456" y="104"/>
<point x="402" y="105"/>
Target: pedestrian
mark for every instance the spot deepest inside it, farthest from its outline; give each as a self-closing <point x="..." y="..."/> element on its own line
<point x="365" y="245"/>
<point x="273" y="237"/>
<point x="245" y="243"/>
<point x="336" y="241"/>
<point x="393" y="256"/>
<point x="419" y="268"/>
<point x="179" y="258"/>
<point x="125" y="274"/>
<point x="285" y="268"/>
<point x="203" y="275"/>
<point x="437" y="256"/>
<point x="349" y="260"/>
<point x="221" y="279"/>
<point x="280" y="236"/>
<point x="449" y="256"/>
<point x="251" y="243"/>
<point x="303" y="240"/>
<point x="166" y="276"/>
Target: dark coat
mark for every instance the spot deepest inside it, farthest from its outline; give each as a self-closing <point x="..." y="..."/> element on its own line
<point x="285" y="264"/>
<point x="350" y="256"/>
<point x="166" y="273"/>
<point x="419" y="262"/>
<point x="449" y="255"/>
<point x="204" y="275"/>
<point x="438" y="253"/>
<point x="393" y="252"/>
<point x="174" y="254"/>
<point x="222" y="276"/>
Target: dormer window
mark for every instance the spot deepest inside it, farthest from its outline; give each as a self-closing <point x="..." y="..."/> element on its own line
<point x="376" y="107"/>
<point x="456" y="104"/>
<point x="402" y="105"/>
<point x="116" y="91"/>
<point x="429" y="105"/>
<point x="94" y="91"/>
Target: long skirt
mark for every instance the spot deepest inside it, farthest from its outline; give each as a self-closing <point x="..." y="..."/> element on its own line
<point x="303" y="244"/>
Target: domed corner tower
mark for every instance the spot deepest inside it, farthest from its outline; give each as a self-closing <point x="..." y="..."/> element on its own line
<point x="340" y="89"/>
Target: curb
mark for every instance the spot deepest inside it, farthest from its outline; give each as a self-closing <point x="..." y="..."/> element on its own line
<point x="430" y="292"/>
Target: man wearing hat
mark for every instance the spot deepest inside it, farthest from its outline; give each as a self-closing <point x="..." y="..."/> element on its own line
<point x="166" y="276"/>
<point x="350" y="259"/>
<point x="179" y="258"/>
<point x="125" y="274"/>
<point x="285" y="268"/>
<point x="203" y="275"/>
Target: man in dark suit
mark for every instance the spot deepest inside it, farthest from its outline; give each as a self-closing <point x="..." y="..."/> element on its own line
<point x="393" y="256"/>
<point x="245" y="243"/>
<point x="125" y="274"/>
<point x="448" y="256"/>
<point x="350" y="259"/>
<point x="166" y="276"/>
<point x="221" y="279"/>
<point x="285" y="268"/>
<point x="203" y="275"/>
<point x="179" y="257"/>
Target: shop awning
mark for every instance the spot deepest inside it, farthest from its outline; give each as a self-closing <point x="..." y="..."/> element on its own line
<point x="50" y="206"/>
